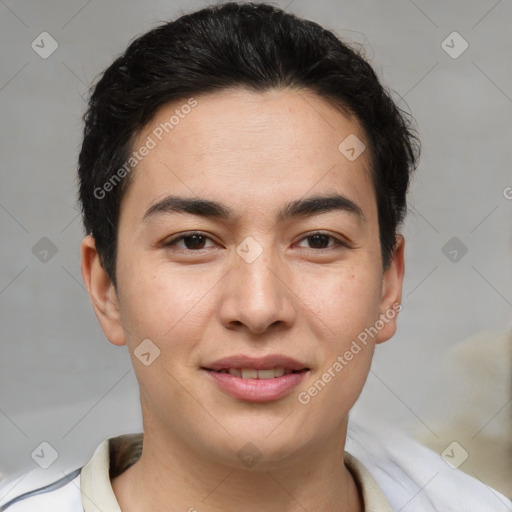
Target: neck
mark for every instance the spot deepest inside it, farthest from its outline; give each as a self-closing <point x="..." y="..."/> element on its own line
<point x="172" y="476"/>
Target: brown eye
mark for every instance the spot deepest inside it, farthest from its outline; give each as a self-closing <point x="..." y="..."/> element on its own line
<point x="321" y="241"/>
<point x="191" y="241"/>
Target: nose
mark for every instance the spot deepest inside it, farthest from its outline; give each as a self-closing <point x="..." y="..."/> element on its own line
<point x="258" y="294"/>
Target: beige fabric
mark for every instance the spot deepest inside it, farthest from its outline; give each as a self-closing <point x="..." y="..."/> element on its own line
<point x="373" y="498"/>
<point x="116" y="454"/>
<point x="95" y="487"/>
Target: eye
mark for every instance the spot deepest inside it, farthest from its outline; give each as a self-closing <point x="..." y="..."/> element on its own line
<point x="319" y="240"/>
<point x="193" y="241"/>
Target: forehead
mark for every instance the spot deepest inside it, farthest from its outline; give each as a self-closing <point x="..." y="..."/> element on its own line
<point x="250" y="150"/>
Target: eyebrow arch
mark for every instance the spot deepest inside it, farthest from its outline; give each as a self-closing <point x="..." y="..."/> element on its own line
<point x="309" y="206"/>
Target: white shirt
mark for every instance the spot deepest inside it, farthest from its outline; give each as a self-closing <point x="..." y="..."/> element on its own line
<point x="396" y="476"/>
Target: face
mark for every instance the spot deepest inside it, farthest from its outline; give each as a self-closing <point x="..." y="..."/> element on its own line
<point x="262" y="273"/>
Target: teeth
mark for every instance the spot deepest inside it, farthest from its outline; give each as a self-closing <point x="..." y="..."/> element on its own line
<point x="251" y="373"/>
<point x="266" y="374"/>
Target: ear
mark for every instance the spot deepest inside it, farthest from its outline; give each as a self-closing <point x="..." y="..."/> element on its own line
<point x="391" y="298"/>
<point x="102" y="292"/>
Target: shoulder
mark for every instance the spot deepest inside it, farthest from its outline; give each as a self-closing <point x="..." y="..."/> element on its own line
<point x="62" y="495"/>
<point x="88" y="486"/>
<point x="414" y="478"/>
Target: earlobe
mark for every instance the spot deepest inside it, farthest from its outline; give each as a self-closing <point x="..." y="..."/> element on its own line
<point x="102" y="292"/>
<point x="391" y="297"/>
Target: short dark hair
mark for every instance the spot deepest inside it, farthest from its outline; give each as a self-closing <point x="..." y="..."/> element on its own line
<point x="256" y="46"/>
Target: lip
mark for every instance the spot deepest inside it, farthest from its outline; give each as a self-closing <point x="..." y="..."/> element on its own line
<point x="256" y="390"/>
<point x="257" y="363"/>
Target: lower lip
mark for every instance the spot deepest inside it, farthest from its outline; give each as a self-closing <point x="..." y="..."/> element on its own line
<point x="257" y="390"/>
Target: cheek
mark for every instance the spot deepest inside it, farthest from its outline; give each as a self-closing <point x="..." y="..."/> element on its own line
<point x="345" y="300"/>
<point x="167" y="306"/>
<point x="348" y="305"/>
<point x="169" y="309"/>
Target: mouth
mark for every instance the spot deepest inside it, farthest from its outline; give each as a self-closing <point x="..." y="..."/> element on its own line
<point x="256" y="379"/>
<point x="253" y="373"/>
<point x="256" y="385"/>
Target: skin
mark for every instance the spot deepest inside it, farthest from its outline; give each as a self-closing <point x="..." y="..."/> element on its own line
<point x="253" y="152"/>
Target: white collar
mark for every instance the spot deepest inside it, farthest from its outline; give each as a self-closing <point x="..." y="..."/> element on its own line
<point x="98" y="495"/>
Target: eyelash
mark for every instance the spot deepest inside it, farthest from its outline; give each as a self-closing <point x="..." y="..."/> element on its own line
<point x="338" y="243"/>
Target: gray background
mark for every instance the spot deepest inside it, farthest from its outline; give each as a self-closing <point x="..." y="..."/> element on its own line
<point x="63" y="383"/>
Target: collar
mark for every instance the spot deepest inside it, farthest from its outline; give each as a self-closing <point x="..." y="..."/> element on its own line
<point x="116" y="454"/>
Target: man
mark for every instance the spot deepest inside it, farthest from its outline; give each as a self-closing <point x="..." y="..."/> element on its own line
<point x="243" y="176"/>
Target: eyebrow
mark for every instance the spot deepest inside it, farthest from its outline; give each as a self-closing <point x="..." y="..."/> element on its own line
<point x="309" y="206"/>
